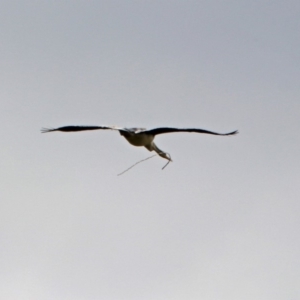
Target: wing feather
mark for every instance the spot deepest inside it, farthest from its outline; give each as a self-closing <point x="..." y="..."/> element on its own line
<point x="77" y="128"/>
<point x="163" y="130"/>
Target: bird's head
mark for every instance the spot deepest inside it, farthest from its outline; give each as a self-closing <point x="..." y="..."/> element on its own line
<point x="165" y="155"/>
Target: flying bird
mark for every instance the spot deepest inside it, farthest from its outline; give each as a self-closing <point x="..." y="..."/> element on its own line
<point x="139" y="136"/>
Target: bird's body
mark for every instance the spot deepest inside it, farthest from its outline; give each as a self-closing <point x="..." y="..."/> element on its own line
<point x="139" y="136"/>
<point x="136" y="137"/>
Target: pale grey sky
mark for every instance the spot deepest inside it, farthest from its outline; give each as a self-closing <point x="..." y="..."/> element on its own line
<point x="221" y="221"/>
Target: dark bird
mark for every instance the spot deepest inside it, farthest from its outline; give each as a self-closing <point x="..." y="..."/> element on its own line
<point x="139" y="136"/>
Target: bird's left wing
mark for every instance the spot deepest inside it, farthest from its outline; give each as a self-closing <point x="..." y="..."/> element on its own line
<point x="162" y="130"/>
<point x="78" y="128"/>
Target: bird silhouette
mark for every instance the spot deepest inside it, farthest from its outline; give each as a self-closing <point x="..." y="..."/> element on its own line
<point x="139" y="136"/>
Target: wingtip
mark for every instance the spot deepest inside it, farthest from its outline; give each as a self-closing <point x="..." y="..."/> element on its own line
<point x="232" y="133"/>
<point x="45" y="130"/>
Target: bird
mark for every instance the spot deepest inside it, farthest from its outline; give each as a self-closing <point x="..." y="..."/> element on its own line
<point x="140" y="137"/>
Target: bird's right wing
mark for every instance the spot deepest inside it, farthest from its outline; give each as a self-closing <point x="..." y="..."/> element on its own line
<point x="78" y="128"/>
<point x="163" y="130"/>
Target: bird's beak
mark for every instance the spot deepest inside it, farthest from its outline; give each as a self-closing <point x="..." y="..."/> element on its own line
<point x="166" y="156"/>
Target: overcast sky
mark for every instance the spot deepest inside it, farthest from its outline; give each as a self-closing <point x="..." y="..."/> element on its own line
<point x="219" y="222"/>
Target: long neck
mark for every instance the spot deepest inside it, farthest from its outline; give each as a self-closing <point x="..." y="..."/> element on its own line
<point x="161" y="153"/>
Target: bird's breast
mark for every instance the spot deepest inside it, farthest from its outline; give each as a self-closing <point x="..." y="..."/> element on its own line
<point x="139" y="139"/>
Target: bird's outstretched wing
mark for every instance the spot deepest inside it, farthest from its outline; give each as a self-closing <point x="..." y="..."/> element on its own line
<point x="162" y="130"/>
<point x="77" y="128"/>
